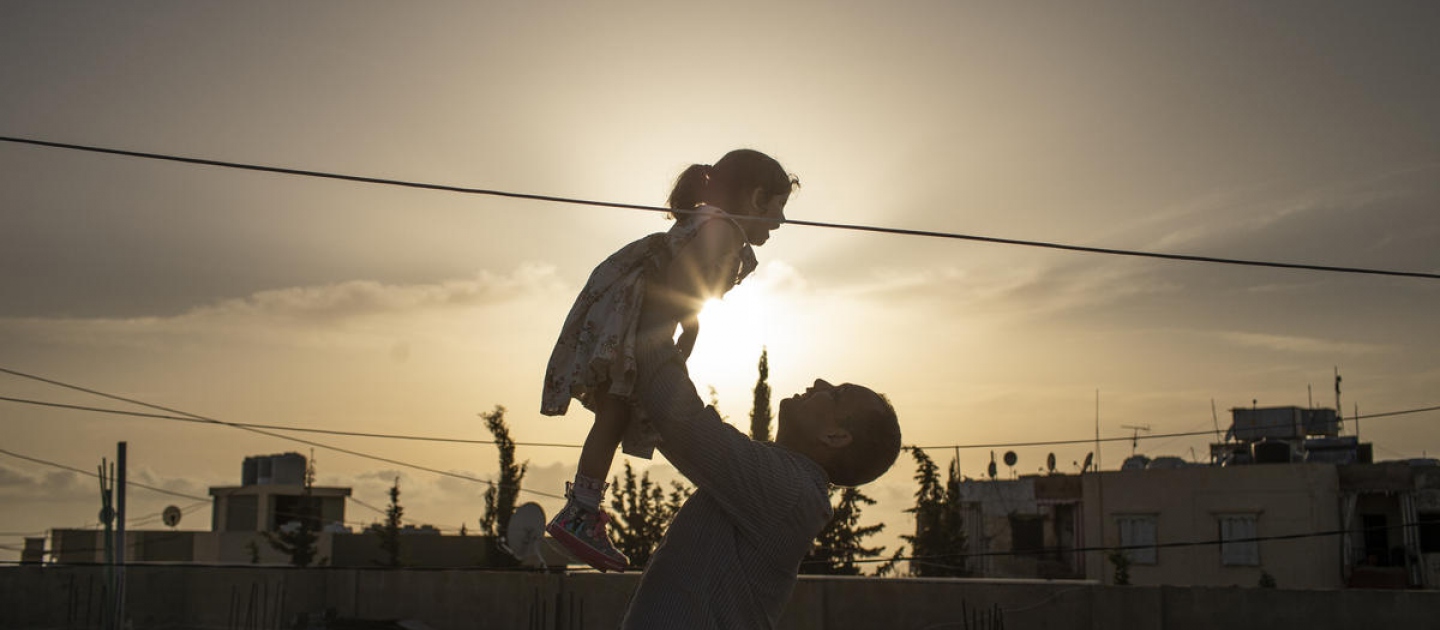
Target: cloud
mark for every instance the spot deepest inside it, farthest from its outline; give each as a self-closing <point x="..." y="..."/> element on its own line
<point x="901" y="281"/>
<point x="361" y="298"/>
<point x="779" y="277"/>
<point x="315" y="312"/>
<point x="1379" y="219"/>
<point x="1383" y="220"/>
<point x="1303" y="345"/>
<point x="49" y="486"/>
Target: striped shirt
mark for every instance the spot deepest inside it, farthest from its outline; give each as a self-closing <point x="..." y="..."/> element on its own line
<point x="731" y="556"/>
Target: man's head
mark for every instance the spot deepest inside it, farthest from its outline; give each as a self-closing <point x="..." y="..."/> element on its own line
<point x="851" y="431"/>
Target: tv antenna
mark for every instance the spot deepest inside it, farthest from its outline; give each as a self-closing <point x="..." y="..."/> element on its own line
<point x="1135" y="434"/>
<point x="523" y="534"/>
<point x="1089" y="459"/>
<point x="1214" y="417"/>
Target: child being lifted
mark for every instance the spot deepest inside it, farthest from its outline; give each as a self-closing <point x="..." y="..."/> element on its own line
<point x="722" y="211"/>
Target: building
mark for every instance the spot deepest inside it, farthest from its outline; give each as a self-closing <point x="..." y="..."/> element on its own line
<point x="1390" y="513"/>
<point x="273" y="496"/>
<point x="1167" y="520"/>
<point x="1285" y="499"/>
<point x="1036" y="518"/>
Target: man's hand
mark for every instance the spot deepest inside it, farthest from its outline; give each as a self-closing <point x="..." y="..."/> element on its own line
<point x="689" y="331"/>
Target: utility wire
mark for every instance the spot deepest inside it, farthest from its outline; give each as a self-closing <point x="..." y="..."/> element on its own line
<point x="141" y="520"/>
<point x="366" y="505"/>
<point x="391" y="436"/>
<point x="1129" y="438"/>
<point x="1158" y="545"/>
<point x="92" y="474"/>
<point x="396" y="436"/>
<point x="347" y="451"/>
<point x="930" y="559"/>
<point x="628" y="206"/>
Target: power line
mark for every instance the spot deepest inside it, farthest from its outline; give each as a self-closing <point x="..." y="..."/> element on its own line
<point x="932" y="558"/>
<point x="1126" y="438"/>
<point x="397" y="436"/>
<point x="172" y="565"/>
<point x="391" y="436"/>
<point x="92" y="474"/>
<point x="1394" y="413"/>
<point x="367" y="505"/>
<point x="378" y="458"/>
<point x="1158" y="545"/>
<point x="1129" y="438"/>
<point x="142" y="520"/>
<point x="629" y="206"/>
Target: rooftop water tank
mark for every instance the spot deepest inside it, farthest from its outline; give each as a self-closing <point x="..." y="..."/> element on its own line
<point x="1135" y="462"/>
<point x="1272" y="452"/>
<point x="1166" y="463"/>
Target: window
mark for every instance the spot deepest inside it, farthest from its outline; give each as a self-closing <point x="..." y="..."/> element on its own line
<point x="1137" y="535"/>
<point x="1238" y="547"/>
<point x="1429" y="532"/>
<point x="1027" y="534"/>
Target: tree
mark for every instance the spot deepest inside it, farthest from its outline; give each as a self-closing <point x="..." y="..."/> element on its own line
<point x="1121" y="562"/>
<point x="939" y="541"/>
<point x="760" y="412"/>
<point x="641" y="511"/>
<point x="888" y="567"/>
<point x="254" y="551"/>
<point x="500" y="496"/>
<point x="839" y="547"/>
<point x="389" y="532"/>
<point x="296" y="538"/>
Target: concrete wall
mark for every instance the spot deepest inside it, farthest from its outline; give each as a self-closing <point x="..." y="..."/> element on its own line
<point x="989" y="507"/>
<point x="231" y="598"/>
<point x="360" y="550"/>
<point x="1288" y="499"/>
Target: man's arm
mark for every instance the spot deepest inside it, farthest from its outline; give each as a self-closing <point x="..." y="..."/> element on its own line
<point x="706" y="267"/>
<point x="749" y="479"/>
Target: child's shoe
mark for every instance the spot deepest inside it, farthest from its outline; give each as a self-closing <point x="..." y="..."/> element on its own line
<point x="583" y="533"/>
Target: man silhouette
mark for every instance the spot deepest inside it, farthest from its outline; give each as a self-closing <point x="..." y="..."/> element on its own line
<point x="731" y="557"/>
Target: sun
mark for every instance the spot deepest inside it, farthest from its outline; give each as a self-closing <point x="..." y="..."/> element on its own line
<point x="759" y="315"/>
<point x="733" y="332"/>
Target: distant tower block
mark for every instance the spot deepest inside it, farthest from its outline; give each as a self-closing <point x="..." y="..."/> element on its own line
<point x="286" y="469"/>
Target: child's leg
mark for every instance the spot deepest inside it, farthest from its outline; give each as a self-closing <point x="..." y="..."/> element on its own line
<point x="598" y="453"/>
<point x="580" y="525"/>
<point x="611" y="419"/>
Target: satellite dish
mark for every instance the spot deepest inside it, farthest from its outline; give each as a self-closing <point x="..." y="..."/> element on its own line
<point x="1089" y="458"/>
<point x="991" y="468"/>
<point x="1050" y="462"/>
<point x="107" y="515"/>
<point x="171" y="516"/>
<point x="523" y="535"/>
<point x="1010" y="458"/>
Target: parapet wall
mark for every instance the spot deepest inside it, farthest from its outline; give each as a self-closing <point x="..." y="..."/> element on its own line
<point x="200" y="597"/>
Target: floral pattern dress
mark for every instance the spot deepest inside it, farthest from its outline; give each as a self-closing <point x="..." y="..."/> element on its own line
<point x="595" y="353"/>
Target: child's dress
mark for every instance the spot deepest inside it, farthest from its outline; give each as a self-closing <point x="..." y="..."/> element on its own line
<point x="595" y="354"/>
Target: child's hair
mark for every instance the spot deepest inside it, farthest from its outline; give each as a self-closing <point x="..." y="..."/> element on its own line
<point x="874" y="444"/>
<point x="735" y="175"/>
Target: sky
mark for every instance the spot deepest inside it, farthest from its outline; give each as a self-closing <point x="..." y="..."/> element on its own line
<point x="1300" y="132"/>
